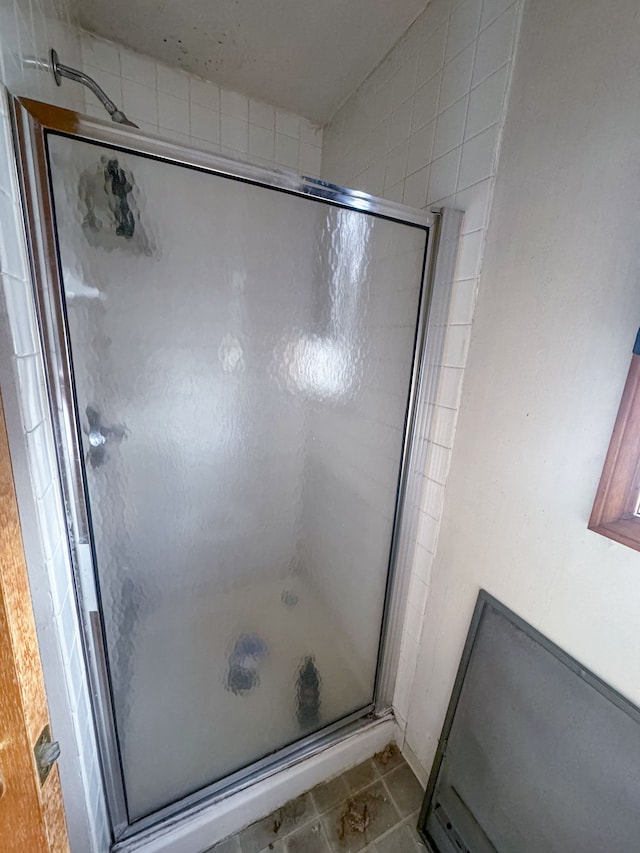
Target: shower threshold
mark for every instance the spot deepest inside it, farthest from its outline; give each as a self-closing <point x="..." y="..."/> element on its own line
<point x="237" y="802"/>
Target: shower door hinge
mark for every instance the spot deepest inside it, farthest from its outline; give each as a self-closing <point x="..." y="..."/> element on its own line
<point x="46" y="753"/>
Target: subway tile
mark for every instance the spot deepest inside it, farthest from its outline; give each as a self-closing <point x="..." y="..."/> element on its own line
<point x="261" y="142"/>
<point x="449" y="389"/>
<point x="21" y="315"/>
<point x="42" y="462"/>
<point x="415" y="188"/>
<point x="450" y="128"/>
<point x="172" y="82"/>
<point x="443" y="424"/>
<point x="470" y="255"/>
<point x="420" y="148"/>
<point x="400" y="126"/>
<point x="50" y="521"/>
<point x="32" y="392"/>
<point x="67" y="622"/>
<point x="395" y="192"/>
<point x="433" y="499"/>
<point x="173" y="113"/>
<point x="486" y="102"/>
<point x="288" y="124"/>
<point x="474" y="201"/>
<point x="428" y="527"/>
<point x="404" y="677"/>
<point x="456" y="350"/>
<point x="205" y="123"/>
<point x="456" y="78"/>
<point x="396" y="164"/>
<point x="463" y="27"/>
<point x="286" y="151"/>
<point x="463" y="301"/>
<point x="444" y="172"/>
<point x="478" y="156"/>
<point x="372" y="179"/>
<point x="139" y="102"/>
<point x="234" y="133"/>
<point x="12" y="248"/>
<point x="495" y="45"/>
<point x="310" y="133"/>
<point x="100" y="54"/>
<point x="403" y="83"/>
<point x="139" y="68"/>
<point x="431" y="57"/>
<point x="413" y="619"/>
<point x="436" y="14"/>
<point x="423" y="561"/>
<point x="410" y="42"/>
<point x="262" y="115"/>
<point x="309" y="160"/>
<point x="439" y="458"/>
<point x="234" y="104"/>
<point x="204" y="93"/>
<point x="425" y="103"/>
<point x="491" y="9"/>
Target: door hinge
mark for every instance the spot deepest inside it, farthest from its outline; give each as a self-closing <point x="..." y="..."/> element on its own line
<point x="46" y="752"/>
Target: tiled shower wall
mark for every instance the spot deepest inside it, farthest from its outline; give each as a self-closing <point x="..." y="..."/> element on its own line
<point x="180" y="106"/>
<point x="24" y="33"/>
<point x="425" y="129"/>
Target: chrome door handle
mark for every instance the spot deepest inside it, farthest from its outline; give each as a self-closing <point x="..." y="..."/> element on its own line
<point x="98" y="435"/>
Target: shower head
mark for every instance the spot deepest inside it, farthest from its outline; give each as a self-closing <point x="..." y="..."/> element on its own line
<point x="59" y="71"/>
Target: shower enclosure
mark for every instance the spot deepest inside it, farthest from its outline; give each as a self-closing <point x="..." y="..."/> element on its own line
<point x="233" y="358"/>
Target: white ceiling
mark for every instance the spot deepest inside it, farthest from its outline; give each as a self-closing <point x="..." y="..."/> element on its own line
<point x="306" y="56"/>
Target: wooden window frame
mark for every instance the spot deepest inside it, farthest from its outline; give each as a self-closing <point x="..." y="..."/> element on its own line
<point x="616" y="504"/>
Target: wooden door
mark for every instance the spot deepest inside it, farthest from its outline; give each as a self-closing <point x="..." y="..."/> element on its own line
<point x="31" y="815"/>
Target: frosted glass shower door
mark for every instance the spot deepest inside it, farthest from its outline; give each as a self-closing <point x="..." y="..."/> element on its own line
<point x="242" y="361"/>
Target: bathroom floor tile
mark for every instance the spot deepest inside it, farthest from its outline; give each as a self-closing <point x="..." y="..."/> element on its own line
<point x="405" y="789"/>
<point x="403" y="839"/>
<point x="309" y="839"/>
<point x="231" y="845"/>
<point x="277" y="825"/>
<point x="361" y="776"/>
<point x="388" y="758"/>
<point x="371" y="808"/>
<point x="329" y="794"/>
<point x="361" y="819"/>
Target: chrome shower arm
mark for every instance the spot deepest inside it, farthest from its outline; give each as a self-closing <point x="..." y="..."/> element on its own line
<point x="59" y="71"/>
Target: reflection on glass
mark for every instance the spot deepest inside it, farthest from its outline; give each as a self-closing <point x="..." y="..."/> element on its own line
<point x="242" y="361"/>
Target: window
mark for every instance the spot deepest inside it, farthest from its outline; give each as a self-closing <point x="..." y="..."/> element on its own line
<point x="615" y="510"/>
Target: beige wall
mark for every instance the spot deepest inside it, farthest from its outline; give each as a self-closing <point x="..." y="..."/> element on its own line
<point x="558" y="309"/>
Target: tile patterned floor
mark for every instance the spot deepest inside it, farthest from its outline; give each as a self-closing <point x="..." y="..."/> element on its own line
<point x="372" y="808"/>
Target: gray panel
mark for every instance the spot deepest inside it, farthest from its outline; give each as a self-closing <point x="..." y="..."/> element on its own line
<point x="544" y="756"/>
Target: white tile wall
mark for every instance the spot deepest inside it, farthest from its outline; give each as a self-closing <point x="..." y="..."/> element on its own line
<point x="180" y="106"/>
<point x="24" y="34"/>
<point x="425" y="128"/>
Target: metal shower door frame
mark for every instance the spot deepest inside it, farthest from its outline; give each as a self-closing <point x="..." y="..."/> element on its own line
<point x="32" y="121"/>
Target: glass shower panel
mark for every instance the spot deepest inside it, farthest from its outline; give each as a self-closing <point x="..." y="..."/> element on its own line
<point x="242" y="360"/>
